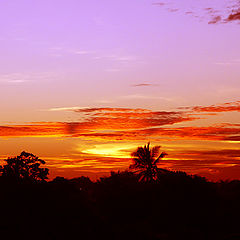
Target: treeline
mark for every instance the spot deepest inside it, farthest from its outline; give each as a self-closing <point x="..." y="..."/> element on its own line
<point x="144" y="202"/>
<point x="174" y="206"/>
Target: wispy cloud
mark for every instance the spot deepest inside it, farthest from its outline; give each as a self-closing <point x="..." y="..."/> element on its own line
<point x="82" y="52"/>
<point x="112" y="134"/>
<point x="20" y="78"/>
<point x="225" y="107"/>
<point x="223" y="12"/>
<point x="132" y="124"/>
<point x="229" y="62"/>
<point x="147" y="97"/>
<point x="98" y="120"/>
<point x="215" y="20"/>
<point x="61" y="51"/>
<point x="14" y="78"/>
<point x="125" y="118"/>
<point x="144" y="85"/>
<point x="234" y="16"/>
<point x="63" y="108"/>
<point x="95" y="54"/>
<point x="159" y="3"/>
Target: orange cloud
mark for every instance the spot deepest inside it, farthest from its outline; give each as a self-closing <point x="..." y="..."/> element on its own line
<point x="106" y="126"/>
<point x="37" y="129"/>
<point x="204" y="133"/>
<point x="226" y="107"/>
<point x="124" y="118"/>
<point x="98" y="120"/>
<point x="161" y="133"/>
<point x="130" y="125"/>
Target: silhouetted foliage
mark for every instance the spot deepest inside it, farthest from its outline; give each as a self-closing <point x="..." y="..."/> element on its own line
<point x="145" y="161"/>
<point x="173" y="206"/>
<point x="24" y="167"/>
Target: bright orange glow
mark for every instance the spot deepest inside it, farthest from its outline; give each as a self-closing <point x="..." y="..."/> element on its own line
<point x="104" y="139"/>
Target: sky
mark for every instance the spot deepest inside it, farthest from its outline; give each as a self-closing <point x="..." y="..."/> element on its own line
<point x="84" y="83"/>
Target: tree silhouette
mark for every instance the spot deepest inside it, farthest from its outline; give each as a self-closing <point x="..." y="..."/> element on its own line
<point x="25" y="167"/>
<point x="145" y="162"/>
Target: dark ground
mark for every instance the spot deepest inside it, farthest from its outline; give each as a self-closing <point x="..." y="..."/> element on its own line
<point x="176" y="206"/>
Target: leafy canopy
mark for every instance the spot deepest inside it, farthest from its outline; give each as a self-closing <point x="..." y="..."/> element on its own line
<point x="26" y="166"/>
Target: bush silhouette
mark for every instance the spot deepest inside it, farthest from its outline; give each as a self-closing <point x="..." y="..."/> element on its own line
<point x="25" y="167"/>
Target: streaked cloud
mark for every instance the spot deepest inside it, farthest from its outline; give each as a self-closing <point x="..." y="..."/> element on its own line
<point x="14" y="78"/>
<point x="96" y="120"/>
<point x="63" y="109"/>
<point x="159" y="3"/>
<point x="230" y="62"/>
<point x="226" y="107"/>
<point x="81" y="52"/>
<point x="223" y="11"/>
<point x="215" y="20"/>
<point x="20" y="78"/>
<point x="234" y="16"/>
<point x="146" y="97"/>
<point x="211" y="133"/>
<point x="144" y="85"/>
<point x="129" y="125"/>
<point x="111" y="134"/>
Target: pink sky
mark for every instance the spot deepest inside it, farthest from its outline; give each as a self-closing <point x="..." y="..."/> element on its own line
<point x="75" y="74"/>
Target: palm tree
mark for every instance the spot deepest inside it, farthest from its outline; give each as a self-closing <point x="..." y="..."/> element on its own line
<point x="145" y="162"/>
